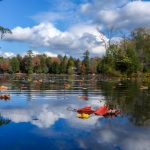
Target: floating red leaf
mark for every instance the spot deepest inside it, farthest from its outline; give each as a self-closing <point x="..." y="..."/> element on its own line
<point x="101" y="110"/>
<point x="87" y="110"/>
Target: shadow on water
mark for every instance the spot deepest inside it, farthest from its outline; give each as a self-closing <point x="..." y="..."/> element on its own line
<point x="36" y="116"/>
<point x="128" y="96"/>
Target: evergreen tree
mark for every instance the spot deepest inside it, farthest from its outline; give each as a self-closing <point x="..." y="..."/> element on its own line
<point x="86" y="61"/>
<point x="44" y="67"/>
<point x="15" y="65"/>
<point x="49" y="64"/>
<point x="29" y="66"/>
<point x="63" y="65"/>
<point x="55" y="67"/>
<point x="70" y="66"/>
<point x="78" y="65"/>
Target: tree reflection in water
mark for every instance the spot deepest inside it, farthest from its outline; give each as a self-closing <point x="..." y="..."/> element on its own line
<point x="4" y="121"/>
<point x="128" y="97"/>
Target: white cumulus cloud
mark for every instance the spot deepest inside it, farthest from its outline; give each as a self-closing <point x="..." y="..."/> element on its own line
<point x="80" y="23"/>
<point x="75" y="40"/>
<point x="6" y="54"/>
<point x="118" y="13"/>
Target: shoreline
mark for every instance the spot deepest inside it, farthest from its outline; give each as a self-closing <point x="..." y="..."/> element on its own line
<point x="145" y="77"/>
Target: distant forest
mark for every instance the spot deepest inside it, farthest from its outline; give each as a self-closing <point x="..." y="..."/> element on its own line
<point x="129" y="56"/>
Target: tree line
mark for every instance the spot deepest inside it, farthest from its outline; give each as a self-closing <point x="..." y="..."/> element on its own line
<point x="43" y="64"/>
<point x="130" y="55"/>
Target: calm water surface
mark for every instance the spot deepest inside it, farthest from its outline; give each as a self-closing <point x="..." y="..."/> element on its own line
<point x="36" y="117"/>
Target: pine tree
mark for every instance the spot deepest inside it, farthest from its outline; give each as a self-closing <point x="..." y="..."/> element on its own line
<point x="70" y="66"/>
<point x="86" y="61"/>
<point x="15" y="65"/>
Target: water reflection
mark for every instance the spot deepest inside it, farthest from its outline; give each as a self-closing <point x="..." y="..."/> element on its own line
<point x="4" y="121"/>
<point x="117" y="136"/>
<point x="130" y="99"/>
<point x="43" y="116"/>
<point x="44" y="112"/>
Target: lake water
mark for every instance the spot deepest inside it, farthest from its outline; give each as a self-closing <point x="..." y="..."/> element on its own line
<point x="37" y="117"/>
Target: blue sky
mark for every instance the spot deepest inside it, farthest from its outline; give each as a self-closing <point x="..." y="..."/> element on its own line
<point x="17" y="12"/>
<point x="67" y="26"/>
